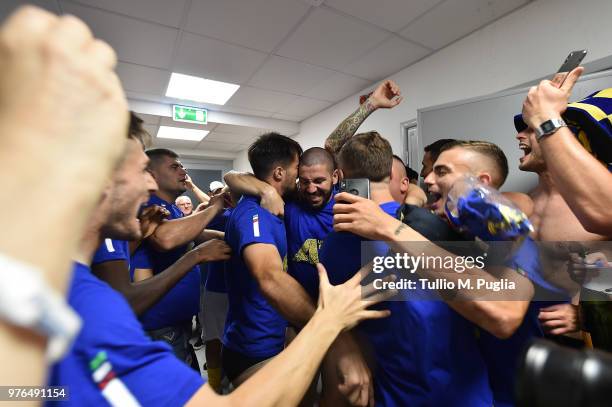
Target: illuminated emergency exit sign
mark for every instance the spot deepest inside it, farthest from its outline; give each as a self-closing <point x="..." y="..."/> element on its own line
<point x="189" y="114"/>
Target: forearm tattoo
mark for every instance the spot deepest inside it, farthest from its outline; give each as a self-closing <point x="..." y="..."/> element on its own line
<point x="348" y="127"/>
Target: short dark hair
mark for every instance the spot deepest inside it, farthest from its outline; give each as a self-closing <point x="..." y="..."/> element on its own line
<point x="434" y="149"/>
<point x="318" y="155"/>
<point x="156" y="154"/>
<point x="487" y="149"/>
<point x="270" y="150"/>
<point x="137" y="131"/>
<point x="412" y="174"/>
<point x="399" y="159"/>
<point x="366" y="155"/>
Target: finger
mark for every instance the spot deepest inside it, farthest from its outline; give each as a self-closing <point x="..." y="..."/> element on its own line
<point x="101" y="54"/>
<point x="323" y="280"/>
<point x="374" y="314"/>
<point x="360" y="274"/>
<point x="369" y="289"/>
<point x="380" y="296"/>
<point x="350" y="392"/>
<point x="342" y="208"/>
<point x="561" y="331"/>
<point x="26" y="25"/>
<point x="556" y="323"/>
<point x="550" y="308"/>
<point x="71" y="32"/>
<point x="347" y="197"/>
<point x="364" y="396"/>
<point x="571" y="79"/>
<point x="344" y="218"/>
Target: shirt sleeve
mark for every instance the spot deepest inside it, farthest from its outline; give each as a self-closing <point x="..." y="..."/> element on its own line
<point x="255" y="226"/>
<point x="141" y="258"/>
<point x="110" y="250"/>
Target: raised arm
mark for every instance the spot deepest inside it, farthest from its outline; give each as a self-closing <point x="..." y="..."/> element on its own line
<point x="386" y="96"/>
<point x="199" y="194"/>
<point x="567" y="161"/>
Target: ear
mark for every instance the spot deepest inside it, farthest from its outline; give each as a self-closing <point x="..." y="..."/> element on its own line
<point x="335" y="176"/>
<point x="278" y="174"/>
<point x="485" y="178"/>
<point x="404" y="185"/>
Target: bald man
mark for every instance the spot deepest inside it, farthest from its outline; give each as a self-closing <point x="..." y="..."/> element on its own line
<point x="184" y="204"/>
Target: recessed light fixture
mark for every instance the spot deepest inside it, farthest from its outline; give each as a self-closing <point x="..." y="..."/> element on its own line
<point x="199" y="89"/>
<point x="181" y="133"/>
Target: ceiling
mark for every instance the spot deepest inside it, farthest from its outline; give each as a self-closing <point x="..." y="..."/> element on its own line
<point x="291" y="58"/>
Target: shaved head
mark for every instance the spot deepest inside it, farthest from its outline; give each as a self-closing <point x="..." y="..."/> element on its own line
<point x="317" y="155"/>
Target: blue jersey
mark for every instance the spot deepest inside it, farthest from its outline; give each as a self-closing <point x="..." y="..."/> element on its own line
<point x="502" y="355"/>
<point x="253" y="327"/>
<point x="182" y="301"/>
<point x="215" y="278"/>
<point x="112" y="249"/>
<point x="306" y="230"/>
<point x="425" y="353"/>
<point x="112" y="357"/>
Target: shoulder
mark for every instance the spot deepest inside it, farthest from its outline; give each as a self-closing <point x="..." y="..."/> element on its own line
<point x="521" y="200"/>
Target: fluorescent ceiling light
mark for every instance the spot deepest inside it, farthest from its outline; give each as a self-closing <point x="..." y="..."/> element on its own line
<point x="181" y="133"/>
<point x="200" y="89"/>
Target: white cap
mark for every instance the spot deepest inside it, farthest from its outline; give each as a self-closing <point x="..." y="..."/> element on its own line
<point x="215" y="185"/>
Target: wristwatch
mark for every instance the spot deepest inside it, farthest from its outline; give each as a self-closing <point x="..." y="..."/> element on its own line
<point x="549" y="127"/>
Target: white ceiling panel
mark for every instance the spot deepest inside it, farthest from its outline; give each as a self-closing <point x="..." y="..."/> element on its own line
<point x="240" y="130"/>
<point x="337" y="87"/>
<point x="286" y="75"/>
<point x="454" y="19"/>
<point x="8" y="6"/>
<point x="288" y="117"/>
<point x="216" y="146"/>
<point x="258" y="24"/>
<point x="389" y="14"/>
<point x="304" y="107"/>
<point x="388" y="58"/>
<point x="138" y="78"/>
<point x="261" y="99"/>
<point x="171" y="143"/>
<point x="159" y="11"/>
<point x="230" y="138"/>
<point x="212" y="59"/>
<point x="133" y="40"/>
<point x="329" y="39"/>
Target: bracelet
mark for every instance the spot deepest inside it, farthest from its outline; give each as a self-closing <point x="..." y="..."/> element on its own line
<point x="27" y="301"/>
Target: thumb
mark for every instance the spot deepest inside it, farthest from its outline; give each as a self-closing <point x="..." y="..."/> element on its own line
<point x="571" y="79"/>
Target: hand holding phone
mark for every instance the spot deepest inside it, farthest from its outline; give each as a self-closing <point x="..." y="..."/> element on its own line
<point x="356" y="186"/>
<point x="572" y="62"/>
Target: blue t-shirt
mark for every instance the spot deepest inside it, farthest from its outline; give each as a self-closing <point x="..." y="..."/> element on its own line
<point x="306" y="230"/>
<point x="112" y="249"/>
<point x="253" y="327"/>
<point x="112" y="349"/>
<point x="425" y="353"/>
<point x="183" y="301"/>
<point x="215" y="278"/>
<point x="502" y="355"/>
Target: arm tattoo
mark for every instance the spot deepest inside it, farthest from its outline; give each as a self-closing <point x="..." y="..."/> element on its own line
<point x="348" y="127"/>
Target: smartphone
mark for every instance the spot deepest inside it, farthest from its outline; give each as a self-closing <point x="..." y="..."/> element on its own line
<point x="356" y="186"/>
<point x="572" y="62"/>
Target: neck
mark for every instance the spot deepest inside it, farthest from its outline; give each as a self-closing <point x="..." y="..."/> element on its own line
<point x="275" y="185"/>
<point x="166" y="195"/>
<point x="546" y="182"/>
<point x="379" y="192"/>
<point x="89" y="243"/>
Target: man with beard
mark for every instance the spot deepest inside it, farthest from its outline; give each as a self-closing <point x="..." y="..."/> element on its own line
<point x="170" y="318"/>
<point x="114" y="362"/>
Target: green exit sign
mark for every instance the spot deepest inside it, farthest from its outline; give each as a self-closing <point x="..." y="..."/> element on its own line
<point x="189" y="114"/>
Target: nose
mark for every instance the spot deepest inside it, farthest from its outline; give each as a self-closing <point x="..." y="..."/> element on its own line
<point x="430" y="179"/>
<point x="311" y="188"/>
<point x="150" y="182"/>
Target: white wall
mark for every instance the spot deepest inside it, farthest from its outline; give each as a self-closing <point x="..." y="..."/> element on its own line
<point x="528" y="44"/>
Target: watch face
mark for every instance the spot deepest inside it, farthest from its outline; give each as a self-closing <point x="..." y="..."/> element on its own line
<point x="548" y="126"/>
